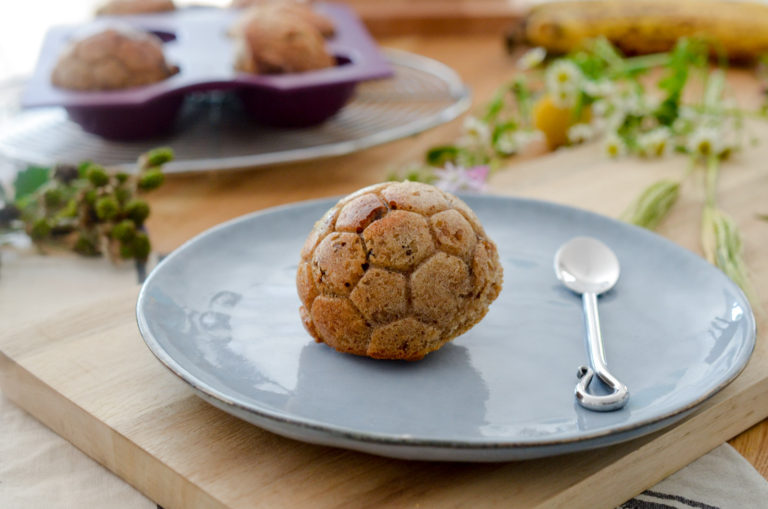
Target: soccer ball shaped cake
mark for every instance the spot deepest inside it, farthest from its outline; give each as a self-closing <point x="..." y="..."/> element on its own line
<point x="395" y="271"/>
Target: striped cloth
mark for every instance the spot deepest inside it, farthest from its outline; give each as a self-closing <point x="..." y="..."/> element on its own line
<point x="722" y="479"/>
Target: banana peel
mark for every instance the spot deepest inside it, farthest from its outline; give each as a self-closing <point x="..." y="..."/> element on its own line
<point x="737" y="29"/>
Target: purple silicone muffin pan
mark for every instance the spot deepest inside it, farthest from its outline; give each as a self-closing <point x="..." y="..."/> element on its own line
<point x="196" y="40"/>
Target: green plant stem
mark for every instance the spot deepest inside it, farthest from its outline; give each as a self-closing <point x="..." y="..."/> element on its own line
<point x="713" y="92"/>
<point x="640" y="63"/>
<point x="713" y="170"/>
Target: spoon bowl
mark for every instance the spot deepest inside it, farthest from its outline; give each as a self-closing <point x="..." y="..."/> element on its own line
<point x="586" y="265"/>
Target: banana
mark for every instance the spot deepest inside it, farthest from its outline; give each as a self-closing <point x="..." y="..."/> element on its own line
<point x="651" y="26"/>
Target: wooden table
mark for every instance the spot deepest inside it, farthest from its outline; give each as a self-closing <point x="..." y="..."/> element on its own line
<point x="187" y="205"/>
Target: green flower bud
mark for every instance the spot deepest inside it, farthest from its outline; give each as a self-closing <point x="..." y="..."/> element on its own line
<point x="82" y="168"/>
<point x="124" y="231"/>
<point x="53" y="197"/>
<point x="70" y="210"/>
<point x="97" y="175"/>
<point x="126" y="251"/>
<point x="141" y="246"/>
<point x="121" y="177"/>
<point x="159" y="156"/>
<point x="151" y="179"/>
<point x="41" y="228"/>
<point x="106" y="208"/>
<point x="85" y="246"/>
<point x="90" y="197"/>
<point x="137" y="210"/>
<point x="122" y="194"/>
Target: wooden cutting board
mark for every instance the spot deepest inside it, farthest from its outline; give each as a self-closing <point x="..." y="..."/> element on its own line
<point x="73" y="358"/>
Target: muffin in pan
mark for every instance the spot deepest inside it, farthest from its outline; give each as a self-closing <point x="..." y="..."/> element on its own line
<point x="112" y="59"/>
<point x="128" y="7"/>
<point x="301" y="10"/>
<point x="395" y="271"/>
<point x="273" y="41"/>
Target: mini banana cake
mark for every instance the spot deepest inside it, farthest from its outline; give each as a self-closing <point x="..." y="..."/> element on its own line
<point x="274" y="40"/>
<point x="114" y="58"/>
<point x="288" y="7"/>
<point x="395" y="271"/>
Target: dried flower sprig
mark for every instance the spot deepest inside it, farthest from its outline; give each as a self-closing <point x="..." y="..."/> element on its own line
<point x="88" y="208"/>
<point x="653" y="204"/>
<point x="720" y="236"/>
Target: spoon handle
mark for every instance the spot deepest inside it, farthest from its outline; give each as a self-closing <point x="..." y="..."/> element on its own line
<point x="601" y="403"/>
<point x="594" y="337"/>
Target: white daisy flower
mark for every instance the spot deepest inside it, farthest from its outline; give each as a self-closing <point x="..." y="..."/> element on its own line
<point x="579" y="133"/>
<point x="532" y="58"/>
<point x="527" y="136"/>
<point x="564" y="97"/>
<point x="512" y="142"/>
<point x="632" y="104"/>
<point x="507" y="143"/>
<point x="599" y="125"/>
<point x="614" y="146"/>
<point x="564" y="73"/>
<point x="602" y="88"/>
<point x="655" y="143"/>
<point x="706" y="141"/>
<point x="615" y="120"/>
<point x="477" y="129"/>
<point x="564" y="80"/>
<point x="600" y="108"/>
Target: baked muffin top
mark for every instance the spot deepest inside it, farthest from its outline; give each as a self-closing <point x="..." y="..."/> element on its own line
<point x="272" y="41"/>
<point x="302" y="10"/>
<point x="114" y="58"/>
<point x="395" y="271"/>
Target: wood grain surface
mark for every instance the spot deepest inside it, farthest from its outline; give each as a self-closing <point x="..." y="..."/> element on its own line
<point x="72" y="357"/>
<point x="444" y="17"/>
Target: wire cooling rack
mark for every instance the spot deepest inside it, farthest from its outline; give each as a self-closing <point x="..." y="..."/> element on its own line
<point x="424" y="93"/>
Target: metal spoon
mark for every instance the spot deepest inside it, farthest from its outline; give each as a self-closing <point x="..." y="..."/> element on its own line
<point x="589" y="267"/>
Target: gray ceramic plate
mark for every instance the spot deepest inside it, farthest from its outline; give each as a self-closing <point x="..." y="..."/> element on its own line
<point x="222" y="313"/>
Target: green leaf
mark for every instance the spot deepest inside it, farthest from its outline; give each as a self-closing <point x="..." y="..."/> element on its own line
<point x="28" y="181"/>
<point x="686" y="54"/>
<point x="495" y="106"/>
<point x="523" y="97"/>
<point x="668" y="110"/>
<point x="82" y="168"/>
<point x="592" y="66"/>
<point x="603" y="48"/>
<point x="438" y="156"/>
